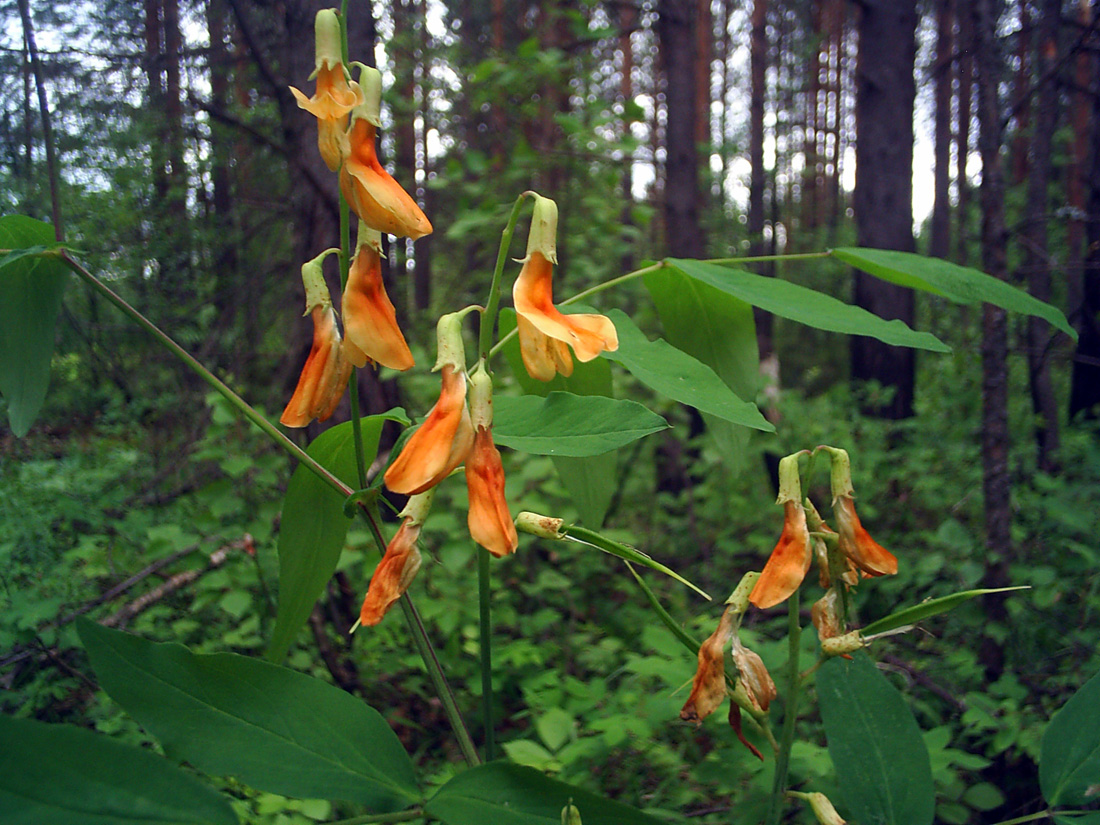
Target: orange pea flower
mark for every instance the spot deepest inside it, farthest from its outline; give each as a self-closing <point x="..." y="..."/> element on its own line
<point x="336" y="93"/>
<point x="790" y="560"/>
<point x="857" y="544"/>
<point x="545" y="334"/>
<point x="373" y="194"/>
<point x="326" y="371"/>
<point x="370" y="322"/>
<point x="489" y="520"/>
<point x="708" y="688"/>
<point x="399" y="565"/>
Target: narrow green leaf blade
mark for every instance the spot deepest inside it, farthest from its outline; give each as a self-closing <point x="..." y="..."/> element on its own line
<point x="572" y="425"/>
<point x="64" y="775"/>
<point x="273" y="728"/>
<point x="807" y="306"/>
<point x="1069" y="755"/>
<point x="507" y="794"/>
<point x="626" y="553"/>
<point x="717" y="329"/>
<point x="881" y="761"/>
<point x="313" y="526"/>
<point x="961" y="284"/>
<point x="32" y="281"/>
<point x="932" y="607"/>
<point x="679" y="376"/>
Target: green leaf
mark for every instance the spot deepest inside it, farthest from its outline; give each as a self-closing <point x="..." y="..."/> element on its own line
<point x="589" y="480"/>
<point x="32" y="280"/>
<point x="313" y="526"/>
<point x="961" y="284"/>
<point x="881" y="761"/>
<point x="506" y="794"/>
<point x="63" y="775"/>
<point x="717" y="329"/>
<point x="807" y="306"/>
<point x="679" y="376"/>
<point x="1069" y="755"/>
<point x="1089" y="818"/>
<point x="273" y="728"/>
<point x="572" y="425"/>
<point x="931" y="607"/>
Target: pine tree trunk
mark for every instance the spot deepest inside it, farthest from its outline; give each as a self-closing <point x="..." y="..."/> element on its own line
<point x="940" y="244"/>
<point x="965" y="80"/>
<point x="758" y="59"/>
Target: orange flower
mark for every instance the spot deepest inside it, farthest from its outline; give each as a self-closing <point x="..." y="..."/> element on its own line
<point x="398" y="567"/>
<point x="708" y="689"/>
<point x="545" y="334"/>
<point x="489" y="519"/>
<point x="373" y="194"/>
<point x="441" y="443"/>
<point x="336" y="93"/>
<point x="753" y="676"/>
<point x="789" y="561"/>
<point x="857" y="544"/>
<point x="370" y="322"/>
<point x="825" y="615"/>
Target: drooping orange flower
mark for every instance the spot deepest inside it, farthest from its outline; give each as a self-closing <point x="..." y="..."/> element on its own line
<point x="489" y="520"/>
<point x="336" y="93"/>
<point x="373" y="194"/>
<point x="789" y="561"/>
<point x="370" y="322"/>
<point x="440" y="444"/>
<point x="545" y="334"/>
<point x="708" y="689"/>
<point x="398" y="567"/>
<point x="753" y="675"/>
<point x="324" y="376"/>
<point x="857" y="544"/>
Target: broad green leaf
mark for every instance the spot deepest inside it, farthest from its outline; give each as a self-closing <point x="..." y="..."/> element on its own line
<point x="679" y="376"/>
<point x="505" y="794"/>
<point x="932" y="607"/>
<point x="590" y="480"/>
<point x="64" y="775"/>
<point x="32" y="280"/>
<point x="881" y="761"/>
<point x="313" y="526"/>
<point x="1069" y="755"/>
<point x="717" y="329"/>
<point x="807" y="306"/>
<point x="961" y="284"/>
<point x="626" y="553"/>
<point x="572" y="425"/>
<point x="272" y="728"/>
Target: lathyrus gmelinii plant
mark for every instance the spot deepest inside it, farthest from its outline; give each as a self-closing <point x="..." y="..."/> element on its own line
<point x="290" y="734"/>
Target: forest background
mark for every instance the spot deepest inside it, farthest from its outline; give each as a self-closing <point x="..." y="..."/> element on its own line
<point x="190" y="180"/>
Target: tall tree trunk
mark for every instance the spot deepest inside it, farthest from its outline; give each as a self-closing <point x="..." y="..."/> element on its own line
<point x="1085" y="310"/>
<point x="940" y="244"/>
<point x="1035" y="259"/>
<point x="402" y="48"/>
<point x="758" y="59"/>
<point x="676" y="28"/>
<point x="422" y="271"/>
<point x="885" y="92"/>
<point x="1022" y="95"/>
<point x="627" y="21"/>
<point x="996" y="483"/>
<point x="965" y="80"/>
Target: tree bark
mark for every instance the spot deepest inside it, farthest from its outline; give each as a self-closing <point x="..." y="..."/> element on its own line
<point x="885" y="92"/>
<point x="965" y="80"/>
<point x="940" y="244"/>
<point x="758" y="66"/>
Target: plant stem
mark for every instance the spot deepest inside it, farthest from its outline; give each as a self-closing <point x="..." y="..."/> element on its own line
<point x="396" y="816"/>
<point x="1033" y="817"/>
<point x="44" y="113"/>
<point x="489" y="316"/>
<point x="242" y="406"/>
<point x="790" y="714"/>
<point x="485" y="619"/>
<point x="755" y="259"/>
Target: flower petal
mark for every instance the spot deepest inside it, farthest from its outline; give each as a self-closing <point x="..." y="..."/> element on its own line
<point x="708" y="689"/>
<point x="374" y="195"/>
<point x="324" y="376"/>
<point x="370" y="321"/>
<point x="393" y="575"/>
<point x="857" y="544"/>
<point x="489" y="520"/>
<point x="789" y="561"/>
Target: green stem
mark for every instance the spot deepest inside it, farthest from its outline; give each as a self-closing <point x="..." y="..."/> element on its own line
<point x="397" y="816"/>
<point x="427" y="653"/>
<point x="790" y="714"/>
<point x="242" y="406"/>
<point x="1033" y="817"/>
<point x="755" y="259"/>
<point x="485" y="618"/>
<point x="489" y="317"/>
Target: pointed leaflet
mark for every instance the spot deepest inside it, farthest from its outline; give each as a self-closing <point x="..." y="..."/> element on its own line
<point x="32" y="280"/>
<point x="881" y="760"/>
<point x="807" y="306"/>
<point x="677" y="375"/>
<point x="960" y="284"/>
<point x="1069" y="756"/>
<point x="507" y="794"/>
<point x="590" y="480"/>
<point x="717" y="329"/>
<point x="932" y="607"/>
<point x="272" y="728"/>
<point x="313" y="526"/>
<point x="64" y="775"/>
<point x="573" y="425"/>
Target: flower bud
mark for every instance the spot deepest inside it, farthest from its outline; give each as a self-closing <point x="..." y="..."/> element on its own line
<point x="843" y="645"/>
<point x="546" y="527"/>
